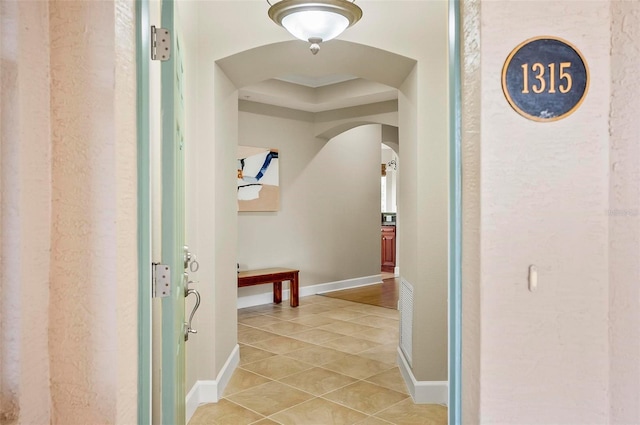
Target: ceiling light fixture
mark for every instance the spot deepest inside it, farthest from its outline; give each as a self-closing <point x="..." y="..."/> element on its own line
<point x="315" y="21"/>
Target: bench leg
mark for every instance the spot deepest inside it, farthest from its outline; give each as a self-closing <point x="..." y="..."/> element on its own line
<point x="277" y="292"/>
<point x="293" y="290"/>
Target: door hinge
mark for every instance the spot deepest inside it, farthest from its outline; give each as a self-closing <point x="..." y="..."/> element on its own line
<point x="161" y="280"/>
<point x="160" y="44"/>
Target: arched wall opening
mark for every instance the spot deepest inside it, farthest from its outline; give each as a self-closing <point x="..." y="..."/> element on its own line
<point x="328" y="222"/>
<point x="315" y="139"/>
<point x="216" y="75"/>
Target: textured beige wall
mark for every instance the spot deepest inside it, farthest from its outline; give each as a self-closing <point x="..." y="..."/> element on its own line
<point x="226" y="216"/>
<point x="25" y="211"/>
<point x="125" y="262"/>
<point x="431" y="284"/>
<point x="93" y="307"/>
<point x="544" y="195"/>
<point x="327" y="190"/>
<point x="471" y="145"/>
<point x="199" y="345"/>
<point x="68" y="177"/>
<point x="624" y="210"/>
<point x="213" y="219"/>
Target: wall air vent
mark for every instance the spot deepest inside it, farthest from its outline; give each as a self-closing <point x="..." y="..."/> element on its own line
<point x="406" y="319"/>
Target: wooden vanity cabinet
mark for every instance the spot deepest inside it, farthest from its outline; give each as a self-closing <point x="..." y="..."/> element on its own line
<point x="388" y="249"/>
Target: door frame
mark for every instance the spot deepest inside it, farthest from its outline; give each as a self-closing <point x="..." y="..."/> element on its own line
<point x="144" y="217"/>
<point x="455" y="217"/>
<point x="173" y="393"/>
<point x="145" y="222"/>
<point x="143" y="47"/>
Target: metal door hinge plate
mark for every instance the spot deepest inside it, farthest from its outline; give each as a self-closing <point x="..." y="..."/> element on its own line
<point x="160" y="44"/>
<point x="161" y="279"/>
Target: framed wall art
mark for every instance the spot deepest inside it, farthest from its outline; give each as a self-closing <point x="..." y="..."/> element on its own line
<point x="258" y="179"/>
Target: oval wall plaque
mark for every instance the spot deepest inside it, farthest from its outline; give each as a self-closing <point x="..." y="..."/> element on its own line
<point x="545" y="79"/>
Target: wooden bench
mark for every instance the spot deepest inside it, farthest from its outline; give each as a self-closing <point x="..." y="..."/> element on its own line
<point x="275" y="276"/>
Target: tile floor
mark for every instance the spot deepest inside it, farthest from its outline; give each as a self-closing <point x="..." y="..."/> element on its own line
<point x="329" y="361"/>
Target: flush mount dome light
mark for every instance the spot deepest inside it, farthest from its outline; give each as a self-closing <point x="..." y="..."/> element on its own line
<point x="315" y="21"/>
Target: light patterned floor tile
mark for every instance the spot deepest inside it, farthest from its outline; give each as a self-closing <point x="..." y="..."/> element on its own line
<point x="343" y="314"/>
<point x="266" y="421"/>
<point x="248" y="335"/>
<point x="277" y="367"/>
<point x="357" y="367"/>
<point x="285" y="328"/>
<point x="318" y="381"/>
<point x="223" y="412"/>
<point x="243" y="314"/>
<point x="372" y="420"/>
<point x="243" y="380"/>
<point x="286" y="313"/>
<point x="366" y="397"/>
<point x="386" y="312"/>
<point x="270" y="398"/>
<point x="281" y="344"/>
<point x="408" y="413"/>
<point x="259" y="321"/>
<point x="312" y="299"/>
<point x="347" y="328"/>
<point x="313" y="320"/>
<point x="313" y="308"/>
<point x="317" y="412"/>
<point x="315" y="336"/>
<point x="387" y="353"/>
<point x="350" y="344"/>
<point x="249" y="354"/>
<point x="378" y="322"/>
<point x="265" y="308"/>
<point x="336" y="302"/>
<point x="316" y="355"/>
<point x="391" y="379"/>
<point x="382" y="336"/>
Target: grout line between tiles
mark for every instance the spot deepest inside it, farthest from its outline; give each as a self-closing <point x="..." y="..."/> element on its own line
<point x="246" y="408"/>
<point x="389" y="407"/>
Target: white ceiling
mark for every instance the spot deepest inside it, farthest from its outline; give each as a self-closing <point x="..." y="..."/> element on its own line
<point x="316" y="81"/>
<point x="256" y="54"/>
<point x="341" y="75"/>
<point x="317" y="94"/>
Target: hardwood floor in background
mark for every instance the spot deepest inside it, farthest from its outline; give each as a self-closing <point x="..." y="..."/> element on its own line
<point x="383" y="294"/>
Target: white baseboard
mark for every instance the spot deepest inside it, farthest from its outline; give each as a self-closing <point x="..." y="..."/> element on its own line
<point x="423" y="392"/>
<point x="305" y="291"/>
<point x="321" y="288"/>
<point x="192" y="402"/>
<point x="207" y="391"/>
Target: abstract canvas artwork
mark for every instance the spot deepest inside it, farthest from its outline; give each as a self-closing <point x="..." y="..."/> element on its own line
<point x="258" y="181"/>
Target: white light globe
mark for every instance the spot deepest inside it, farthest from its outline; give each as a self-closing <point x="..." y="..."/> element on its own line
<point x="315" y="24"/>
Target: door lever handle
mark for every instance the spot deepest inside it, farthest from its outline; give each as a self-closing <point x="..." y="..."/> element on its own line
<point x="187" y="325"/>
